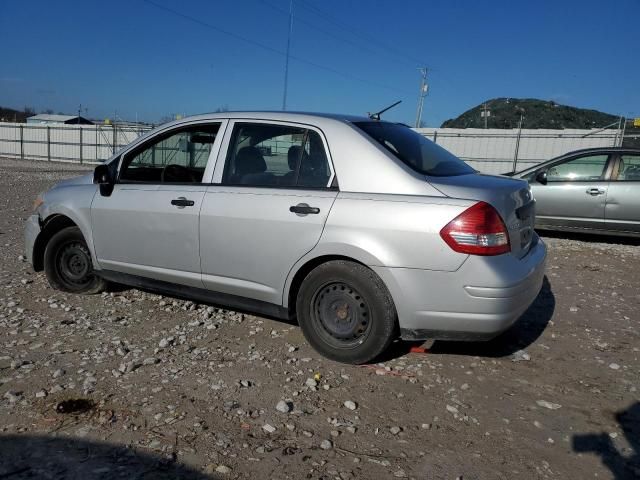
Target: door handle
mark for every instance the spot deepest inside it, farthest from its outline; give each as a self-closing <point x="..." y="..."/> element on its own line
<point x="303" y="209"/>
<point x="182" y="202"/>
<point x="595" y="191"/>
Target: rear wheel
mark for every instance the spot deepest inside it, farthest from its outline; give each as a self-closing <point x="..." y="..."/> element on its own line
<point x="346" y="313"/>
<point x="68" y="265"/>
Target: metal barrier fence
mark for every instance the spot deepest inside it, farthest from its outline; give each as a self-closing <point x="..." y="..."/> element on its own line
<point x="489" y="151"/>
<point x="500" y="151"/>
<point x="65" y="143"/>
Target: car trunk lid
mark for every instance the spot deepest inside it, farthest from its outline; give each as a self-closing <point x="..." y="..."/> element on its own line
<point x="510" y="197"/>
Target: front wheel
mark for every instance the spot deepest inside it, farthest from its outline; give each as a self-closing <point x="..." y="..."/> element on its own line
<point x="346" y="312"/>
<point x="68" y="265"/>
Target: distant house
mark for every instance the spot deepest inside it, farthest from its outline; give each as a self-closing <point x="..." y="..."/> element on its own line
<point x="45" y="118"/>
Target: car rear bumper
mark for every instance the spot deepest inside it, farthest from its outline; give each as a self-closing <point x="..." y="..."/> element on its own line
<point x="31" y="232"/>
<point x="484" y="297"/>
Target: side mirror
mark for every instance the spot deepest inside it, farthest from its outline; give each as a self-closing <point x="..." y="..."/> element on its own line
<point x="102" y="175"/>
<point x="541" y="177"/>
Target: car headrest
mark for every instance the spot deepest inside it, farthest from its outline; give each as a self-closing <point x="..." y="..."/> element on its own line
<point x="250" y="160"/>
<point x="293" y="154"/>
<point x="317" y="161"/>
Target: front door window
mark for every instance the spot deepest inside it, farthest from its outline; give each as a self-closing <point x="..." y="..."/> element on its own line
<point x="581" y="169"/>
<point x="176" y="157"/>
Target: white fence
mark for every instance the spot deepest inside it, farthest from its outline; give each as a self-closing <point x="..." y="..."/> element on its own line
<point x="489" y="151"/>
<point x="498" y="151"/>
<point x="66" y="143"/>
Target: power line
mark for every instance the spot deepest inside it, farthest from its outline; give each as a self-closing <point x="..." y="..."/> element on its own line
<point x="337" y="37"/>
<point x="271" y="49"/>
<point x="423" y="92"/>
<point x="361" y="34"/>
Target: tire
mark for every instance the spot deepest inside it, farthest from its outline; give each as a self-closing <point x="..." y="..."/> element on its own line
<point x="346" y="312"/>
<point x="68" y="265"/>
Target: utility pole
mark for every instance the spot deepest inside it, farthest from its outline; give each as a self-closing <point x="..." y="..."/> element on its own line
<point x="80" y="112"/>
<point x="286" y="64"/>
<point x="515" y="155"/>
<point x="423" y="93"/>
<point x="485" y="114"/>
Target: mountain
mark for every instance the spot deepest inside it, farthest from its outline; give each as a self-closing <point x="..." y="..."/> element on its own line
<point x="505" y="113"/>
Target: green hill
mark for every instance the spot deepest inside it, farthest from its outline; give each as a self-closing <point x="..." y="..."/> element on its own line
<point x="505" y="113"/>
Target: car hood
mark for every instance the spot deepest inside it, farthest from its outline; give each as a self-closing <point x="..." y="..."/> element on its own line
<point x="81" y="180"/>
<point x="507" y="195"/>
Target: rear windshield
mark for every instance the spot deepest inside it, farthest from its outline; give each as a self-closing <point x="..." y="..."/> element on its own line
<point x="415" y="150"/>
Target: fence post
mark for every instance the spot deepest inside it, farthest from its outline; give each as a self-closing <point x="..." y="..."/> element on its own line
<point x="48" y="143"/>
<point x="80" y="145"/>
<point x="96" y="142"/>
<point x="435" y="136"/>
<point x="113" y="151"/>
<point x="21" y="143"/>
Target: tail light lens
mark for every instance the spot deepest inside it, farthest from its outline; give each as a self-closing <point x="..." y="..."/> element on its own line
<point x="479" y="230"/>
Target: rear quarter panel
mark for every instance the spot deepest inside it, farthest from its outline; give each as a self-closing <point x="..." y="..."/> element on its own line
<point x="392" y="230"/>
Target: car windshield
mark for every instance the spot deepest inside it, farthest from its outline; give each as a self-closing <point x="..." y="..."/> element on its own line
<point x="414" y="149"/>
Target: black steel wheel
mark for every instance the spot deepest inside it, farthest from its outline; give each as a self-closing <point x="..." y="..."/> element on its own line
<point x="68" y="265"/>
<point x="346" y="312"/>
<point x="340" y="314"/>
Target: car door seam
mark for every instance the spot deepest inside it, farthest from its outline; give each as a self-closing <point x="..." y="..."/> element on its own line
<point x="324" y="225"/>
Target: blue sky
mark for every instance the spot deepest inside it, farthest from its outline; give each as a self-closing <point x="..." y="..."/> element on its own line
<point x="349" y="56"/>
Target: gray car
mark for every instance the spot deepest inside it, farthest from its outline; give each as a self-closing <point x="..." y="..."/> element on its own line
<point x="596" y="190"/>
<point x="361" y="230"/>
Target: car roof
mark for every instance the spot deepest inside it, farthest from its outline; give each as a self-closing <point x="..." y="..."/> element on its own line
<point x="597" y="150"/>
<point x="300" y="117"/>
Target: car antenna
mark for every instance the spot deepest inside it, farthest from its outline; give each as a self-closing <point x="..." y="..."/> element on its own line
<point x="376" y="116"/>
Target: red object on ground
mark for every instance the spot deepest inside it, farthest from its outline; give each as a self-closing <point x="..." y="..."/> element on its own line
<point x="418" y="350"/>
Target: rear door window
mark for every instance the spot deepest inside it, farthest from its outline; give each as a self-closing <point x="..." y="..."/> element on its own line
<point x="629" y="168"/>
<point x="265" y="155"/>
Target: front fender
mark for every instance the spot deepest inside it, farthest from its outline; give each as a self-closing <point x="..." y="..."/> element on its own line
<point x="73" y="202"/>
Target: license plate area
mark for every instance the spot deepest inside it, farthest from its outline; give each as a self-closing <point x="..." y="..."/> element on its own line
<point x="526" y="218"/>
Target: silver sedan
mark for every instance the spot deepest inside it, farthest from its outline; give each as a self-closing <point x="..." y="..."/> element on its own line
<point x="361" y="230"/>
<point x="596" y="190"/>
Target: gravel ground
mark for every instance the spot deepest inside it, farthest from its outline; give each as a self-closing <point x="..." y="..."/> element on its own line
<point x="173" y="389"/>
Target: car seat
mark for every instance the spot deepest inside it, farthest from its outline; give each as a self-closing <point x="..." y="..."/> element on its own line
<point x="250" y="168"/>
